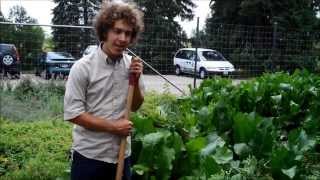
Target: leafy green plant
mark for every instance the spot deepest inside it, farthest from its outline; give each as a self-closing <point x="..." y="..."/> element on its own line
<point x="264" y="128"/>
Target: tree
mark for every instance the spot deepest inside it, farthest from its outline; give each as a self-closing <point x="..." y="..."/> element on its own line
<point x="18" y="14"/>
<point x="78" y="13"/>
<point x="6" y="34"/>
<point x="290" y="13"/>
<point x="28" y="39"/>
<point x="1" y="17"/>
<point x="90" y="9"/>
<point x="66" y="39"/>
<point x="163" y="35"/>
<point x="264" y="30"/>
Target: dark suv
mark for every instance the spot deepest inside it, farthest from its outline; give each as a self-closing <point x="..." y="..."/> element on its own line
<point x="9" y="61"/>
<point x="54" y="63"/>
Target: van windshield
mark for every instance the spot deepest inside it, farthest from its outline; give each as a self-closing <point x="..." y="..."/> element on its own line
<point x="213" y="56"/>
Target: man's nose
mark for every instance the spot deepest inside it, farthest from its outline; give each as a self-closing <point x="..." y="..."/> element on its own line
<point x="123" y="37"/>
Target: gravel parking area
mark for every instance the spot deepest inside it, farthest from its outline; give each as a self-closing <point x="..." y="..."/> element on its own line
<point x="152" y="83"/>
<point x="158" y="84"/>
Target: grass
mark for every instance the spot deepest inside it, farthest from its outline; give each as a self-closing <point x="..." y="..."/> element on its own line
<point x="31" y="102"/>
<point x="34" y="141"/>
<point x="34" y="150"/>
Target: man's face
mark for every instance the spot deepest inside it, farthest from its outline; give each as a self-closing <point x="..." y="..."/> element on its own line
<point x="118" y="39"/>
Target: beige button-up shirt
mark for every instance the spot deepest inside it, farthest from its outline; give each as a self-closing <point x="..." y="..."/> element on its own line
<point x="100" y="88"/>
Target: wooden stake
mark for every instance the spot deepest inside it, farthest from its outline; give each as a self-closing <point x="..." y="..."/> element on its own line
<point x="123" y="143"/>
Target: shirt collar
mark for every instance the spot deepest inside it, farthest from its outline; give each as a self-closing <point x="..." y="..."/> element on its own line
<point x="107" y="59"/>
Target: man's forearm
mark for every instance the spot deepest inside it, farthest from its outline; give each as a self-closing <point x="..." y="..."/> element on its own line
<point x="93" y="123"/>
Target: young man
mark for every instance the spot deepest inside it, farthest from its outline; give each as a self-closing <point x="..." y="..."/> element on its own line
<point x="96" y="92"/>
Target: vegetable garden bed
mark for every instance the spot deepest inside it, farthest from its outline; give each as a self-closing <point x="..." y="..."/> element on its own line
<point x="267" y="128"/>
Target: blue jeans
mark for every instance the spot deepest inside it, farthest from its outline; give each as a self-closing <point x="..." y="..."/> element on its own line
<point x="83" y="168"/>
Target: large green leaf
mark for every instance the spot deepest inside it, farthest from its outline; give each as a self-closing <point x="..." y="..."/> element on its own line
<point x="291" y="172"/>
<point x="175" y="141"/>
<point x="214" y="142"/>
<point x="142" y="126"/>
<point x="244" y="127"/>
<point x="264" y="139"/>
<point x="223" y="155"/>
<point x="195" y="145"/>
<point x="222" y="115"/>
<point x="163" y="163"/>
<point x="281" y="158"/>
<point x="299" y="141"/>
<point x="209" y="166"/>
<point x="150" y="144"/>
<point x="153" y="139"/>
<point x="140" y="169"/>
<point x="204" y="118"/>
<point x="241" y="149"/>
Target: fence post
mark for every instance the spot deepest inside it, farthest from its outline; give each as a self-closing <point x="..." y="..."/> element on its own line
<point x="196" y="58"/>
<point x="274" y="46"/>
<point x="274" y="37"/>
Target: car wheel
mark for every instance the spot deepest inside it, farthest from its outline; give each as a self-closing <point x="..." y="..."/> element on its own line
<point x="178" y="70"/>
<point x="202" y="73"/>
<point x="7" y="60"/>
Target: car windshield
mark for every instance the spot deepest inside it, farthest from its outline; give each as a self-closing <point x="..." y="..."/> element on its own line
<point x="60" y="55"/>
<point x="213" y="56"/>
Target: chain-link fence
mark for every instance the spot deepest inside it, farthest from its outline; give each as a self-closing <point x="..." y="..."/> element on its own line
<point x="255" y="50"/>
<point x="252" y="50"/>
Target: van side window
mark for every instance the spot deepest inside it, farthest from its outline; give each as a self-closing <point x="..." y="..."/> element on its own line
<point x="181" y="54"/>
<point x="190" y="55"/>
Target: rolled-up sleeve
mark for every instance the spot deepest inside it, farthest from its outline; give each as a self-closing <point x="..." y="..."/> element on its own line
<point x="75" y="94"/>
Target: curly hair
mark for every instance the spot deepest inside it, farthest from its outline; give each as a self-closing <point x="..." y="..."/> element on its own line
<point x="111" y="12"/>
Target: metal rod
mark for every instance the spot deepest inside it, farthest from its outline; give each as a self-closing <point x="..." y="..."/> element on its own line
<point x="157" y="72"/>
<point x="49" y="25"/>
<point x="196" y="58"/>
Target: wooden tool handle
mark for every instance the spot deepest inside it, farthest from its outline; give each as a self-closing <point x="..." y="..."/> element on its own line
<point x="123" y="143"/>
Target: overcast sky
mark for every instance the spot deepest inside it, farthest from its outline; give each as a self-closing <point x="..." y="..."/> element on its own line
<point x="42" y="11"/>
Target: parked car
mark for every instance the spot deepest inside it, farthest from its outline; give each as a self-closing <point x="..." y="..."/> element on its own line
<point x="9" y="61"/>
<point x="52" y="64"/>
<point x="209" y="62"/>
<point x="89" y="49"/>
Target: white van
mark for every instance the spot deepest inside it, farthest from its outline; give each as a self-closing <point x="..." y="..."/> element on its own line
<point x="209" y="62"/>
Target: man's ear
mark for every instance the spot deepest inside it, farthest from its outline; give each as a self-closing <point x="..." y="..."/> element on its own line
<point x="105" y="37"/>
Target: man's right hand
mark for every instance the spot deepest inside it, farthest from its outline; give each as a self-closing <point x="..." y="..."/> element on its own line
<point x="122" y="127"/>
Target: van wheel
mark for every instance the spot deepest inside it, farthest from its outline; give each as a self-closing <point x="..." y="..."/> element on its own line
<point x="178" y="70"/>
<point x="202" y="73"/>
